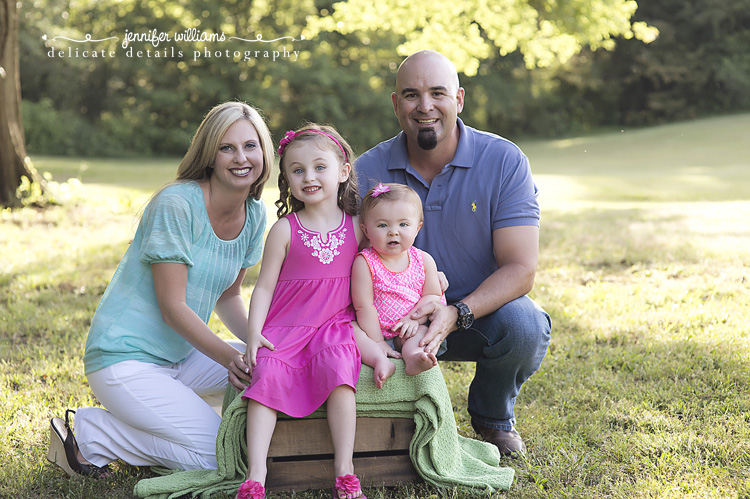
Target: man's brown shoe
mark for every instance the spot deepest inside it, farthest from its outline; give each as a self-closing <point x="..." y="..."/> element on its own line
<point x="507" y="442"/>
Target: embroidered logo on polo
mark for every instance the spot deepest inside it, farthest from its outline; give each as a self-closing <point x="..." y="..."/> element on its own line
<point x="324" y="251"/>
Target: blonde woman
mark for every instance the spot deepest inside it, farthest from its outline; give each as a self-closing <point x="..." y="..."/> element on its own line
<point x="150" y="355"/>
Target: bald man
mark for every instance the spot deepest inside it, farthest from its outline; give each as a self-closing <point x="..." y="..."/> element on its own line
<point x="481" y="225"/>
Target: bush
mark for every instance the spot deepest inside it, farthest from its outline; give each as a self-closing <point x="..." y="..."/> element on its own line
<point x="52" y="131"/>
<point x="46" y="192"/>
<point x="63" y="132"/>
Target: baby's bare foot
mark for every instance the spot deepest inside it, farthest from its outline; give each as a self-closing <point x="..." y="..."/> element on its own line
<point x="383" y="370"/>
<point x="420" y="362"/>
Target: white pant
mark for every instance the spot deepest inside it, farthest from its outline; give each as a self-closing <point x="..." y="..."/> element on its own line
<point x="155" y="414"/>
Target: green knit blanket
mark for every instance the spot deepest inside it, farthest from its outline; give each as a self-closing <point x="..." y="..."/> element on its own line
<point x="440" y="455"/>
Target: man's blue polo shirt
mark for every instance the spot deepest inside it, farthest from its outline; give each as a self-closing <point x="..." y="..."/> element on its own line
<point x="487" y="186"/>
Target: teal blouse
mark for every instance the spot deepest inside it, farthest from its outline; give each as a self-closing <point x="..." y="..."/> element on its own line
<point x="175" y="227"/>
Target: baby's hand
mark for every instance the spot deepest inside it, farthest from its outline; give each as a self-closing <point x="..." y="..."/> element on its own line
<point x="408" y="327"/>
<point x="389" y="352"/>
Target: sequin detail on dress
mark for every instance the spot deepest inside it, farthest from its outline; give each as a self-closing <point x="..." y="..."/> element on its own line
<point x="324" y="251"/>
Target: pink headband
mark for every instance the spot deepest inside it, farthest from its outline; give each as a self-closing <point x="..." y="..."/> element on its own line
<point x="291" y="135"/>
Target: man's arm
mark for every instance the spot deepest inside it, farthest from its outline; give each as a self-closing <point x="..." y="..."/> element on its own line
<point x="517" y="253"/>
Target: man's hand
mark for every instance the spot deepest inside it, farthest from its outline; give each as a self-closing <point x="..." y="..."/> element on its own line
<point x="443" y="282"/>
<point x="442" y="322"/>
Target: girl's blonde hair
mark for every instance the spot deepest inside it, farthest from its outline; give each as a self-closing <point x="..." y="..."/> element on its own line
<point x="200" y="156"/>
<point x="389" y="192"/>
<point x="347" y="197"/>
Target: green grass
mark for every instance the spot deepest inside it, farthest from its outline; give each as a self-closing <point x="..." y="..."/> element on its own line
<point x="644" y="268"/>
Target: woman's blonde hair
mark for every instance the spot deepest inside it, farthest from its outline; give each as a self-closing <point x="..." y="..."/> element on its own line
<point x="200" y="156"/>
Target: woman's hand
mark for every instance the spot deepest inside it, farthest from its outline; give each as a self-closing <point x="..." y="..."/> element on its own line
<point x="239" y="372"/>
<point x="241" y="366"/>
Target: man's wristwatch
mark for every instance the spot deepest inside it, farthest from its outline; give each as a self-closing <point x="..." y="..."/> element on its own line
<point x="465" y="316"/>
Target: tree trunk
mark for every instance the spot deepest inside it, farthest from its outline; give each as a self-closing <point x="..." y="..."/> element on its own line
<point x="13" y="160"/>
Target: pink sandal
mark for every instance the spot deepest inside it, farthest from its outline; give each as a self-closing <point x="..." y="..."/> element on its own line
<point x="347" y="487"/>
<point x="250" y="489"/>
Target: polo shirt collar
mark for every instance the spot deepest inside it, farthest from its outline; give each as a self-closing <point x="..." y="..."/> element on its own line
<point x="463" y="158"/>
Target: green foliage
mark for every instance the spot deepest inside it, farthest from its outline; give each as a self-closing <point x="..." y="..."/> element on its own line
<point x="645" y="390"/>
<point x="699" y="65"/>
<point x="45" y="191"/>
<point x="345" y="70"/>
<point x="63" y="131"/>
<point x="467" y="31"/>
<point x="30" y="193"/>
<point x="153" y="104"/>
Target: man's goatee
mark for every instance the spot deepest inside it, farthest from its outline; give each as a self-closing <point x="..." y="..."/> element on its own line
<point x="427" y="139"/>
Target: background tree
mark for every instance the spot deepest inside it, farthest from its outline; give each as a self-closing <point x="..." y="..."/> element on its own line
<point x="14" y="163"/>
<point x="345" y="73"/>
<point x="124" y="105"/>
<point x="700" y="65"/>
<point x="545" y="32"/>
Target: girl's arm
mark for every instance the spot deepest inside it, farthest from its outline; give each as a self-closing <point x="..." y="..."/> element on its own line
<point x="274" y="253"/>
<point x="170" y="284"/>
<point x="362" y="299"/>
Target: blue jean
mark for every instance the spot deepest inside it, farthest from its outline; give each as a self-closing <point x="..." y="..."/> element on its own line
<point x="508" y="347"/>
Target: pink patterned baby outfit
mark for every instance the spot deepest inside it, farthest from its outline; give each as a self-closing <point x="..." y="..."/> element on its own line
<point x="309" y="323"/>
<point x="395" y="293"/>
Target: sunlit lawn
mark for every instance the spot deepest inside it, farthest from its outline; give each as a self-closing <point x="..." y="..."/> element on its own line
<point x="645" y="262"/>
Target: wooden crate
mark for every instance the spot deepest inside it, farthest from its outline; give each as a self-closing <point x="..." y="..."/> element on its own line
<point x="301" y="454"/>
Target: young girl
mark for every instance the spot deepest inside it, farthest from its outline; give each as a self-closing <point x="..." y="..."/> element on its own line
<point x="391" y="278"/>
<point x="301" y="342"/>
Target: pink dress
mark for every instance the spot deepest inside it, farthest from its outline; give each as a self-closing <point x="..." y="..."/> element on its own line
<point x="309" y="323"/>
<point x="395" y="293"/>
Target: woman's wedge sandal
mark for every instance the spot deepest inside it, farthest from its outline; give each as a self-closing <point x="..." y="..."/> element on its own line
<point x="63" y="449"/>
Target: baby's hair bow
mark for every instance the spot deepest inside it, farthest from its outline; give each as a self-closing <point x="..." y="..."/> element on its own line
<point x="380" y="189"/>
